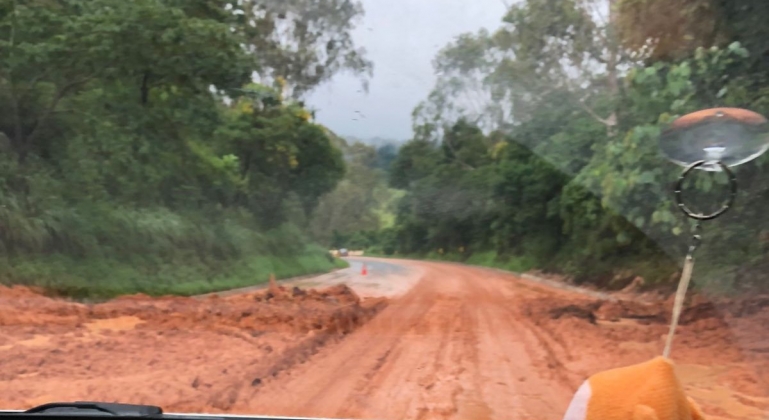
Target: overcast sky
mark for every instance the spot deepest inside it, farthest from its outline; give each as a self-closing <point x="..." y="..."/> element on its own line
<point x="401" y="38"/>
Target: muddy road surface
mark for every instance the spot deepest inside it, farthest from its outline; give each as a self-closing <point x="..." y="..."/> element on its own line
<point x="407" y="340"/>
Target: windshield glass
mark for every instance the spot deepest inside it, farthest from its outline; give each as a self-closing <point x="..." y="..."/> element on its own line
<point x="386" y="209"/>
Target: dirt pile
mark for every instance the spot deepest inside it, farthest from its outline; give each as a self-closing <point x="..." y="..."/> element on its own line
<point x="184" y="347"/>
<point x="721" y="345"/>
<point x="709" y="324"/>
<point x="461" y="343"/>
<point x="646" y="309"/>
<point x="334" y="310"/>
<point x="28" y="306"/>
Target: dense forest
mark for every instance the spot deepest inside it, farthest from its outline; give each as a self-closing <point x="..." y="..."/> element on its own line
<point x="140" y="155"/>
<point x="538" y="147"/>
<point x="163" y="146"/>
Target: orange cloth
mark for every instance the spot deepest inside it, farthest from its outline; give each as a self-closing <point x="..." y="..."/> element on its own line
<point x="646" y="391"/>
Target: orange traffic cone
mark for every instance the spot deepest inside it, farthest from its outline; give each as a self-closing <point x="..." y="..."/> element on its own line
<point x="363" y="270"/>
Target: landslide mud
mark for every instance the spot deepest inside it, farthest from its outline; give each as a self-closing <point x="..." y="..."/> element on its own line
<point x="721" y="348"/>
<point x="462" y="343"/>
<point x="184" y="354"/>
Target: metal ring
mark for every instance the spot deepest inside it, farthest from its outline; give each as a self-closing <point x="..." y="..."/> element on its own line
<point x="727" y="205"/>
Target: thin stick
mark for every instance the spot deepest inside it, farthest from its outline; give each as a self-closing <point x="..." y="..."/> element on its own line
<point x="683" y="285"/>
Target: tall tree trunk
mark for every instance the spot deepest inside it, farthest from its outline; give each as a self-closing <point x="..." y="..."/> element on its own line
<point x="145" y="89"/>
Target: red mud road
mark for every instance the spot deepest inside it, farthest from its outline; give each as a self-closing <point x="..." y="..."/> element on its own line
<point x="437" y="341"/>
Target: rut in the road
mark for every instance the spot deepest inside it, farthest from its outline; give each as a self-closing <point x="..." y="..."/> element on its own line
<point x="453" y="347"/>
<point x="183" y="354"/>
<point x="461" y="343"/>
<point x="469" y="343"/>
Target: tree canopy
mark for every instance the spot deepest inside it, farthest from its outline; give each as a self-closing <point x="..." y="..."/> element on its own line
<point x="134" y="137"/>
<point x="163" y="146"/>
<point x="538" y="146"/>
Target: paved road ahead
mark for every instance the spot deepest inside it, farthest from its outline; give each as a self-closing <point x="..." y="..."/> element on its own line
<point x="383" y="277"/>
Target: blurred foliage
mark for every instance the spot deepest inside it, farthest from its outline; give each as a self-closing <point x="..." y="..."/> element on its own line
<point x="138" y="155"/>
<point x="538" y="147"/>
<point x="301" y="43"/>
<point x="362" y="202"/>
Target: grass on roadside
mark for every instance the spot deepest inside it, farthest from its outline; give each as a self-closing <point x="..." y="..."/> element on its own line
<point x="104" y="278"/>
<point x="99" y="251"/>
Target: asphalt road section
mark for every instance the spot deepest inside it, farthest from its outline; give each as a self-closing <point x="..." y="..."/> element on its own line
<point x="386" y="279"/>
<point x="369" y="277"/>
<point x="405" y="340"/>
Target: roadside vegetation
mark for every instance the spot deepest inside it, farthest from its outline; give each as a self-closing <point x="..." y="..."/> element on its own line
<point x="538" y="146"/>
<point x="162" y="146"/>
<point x="137" y="154"/>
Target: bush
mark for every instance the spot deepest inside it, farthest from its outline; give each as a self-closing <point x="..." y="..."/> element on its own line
<point x="99" y="251"/>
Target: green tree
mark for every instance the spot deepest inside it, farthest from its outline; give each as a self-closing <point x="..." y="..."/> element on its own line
<point x="303" y="42"/>
<point x="280" y="154"/>
<point x="55" y="52"/>
<point x="137" y="158"/>
<point x="540" y="143"/>
<point x="358" y="204"/>
<point x="415" y="160"/>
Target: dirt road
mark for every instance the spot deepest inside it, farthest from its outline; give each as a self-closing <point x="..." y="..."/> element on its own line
<point x="455" y="346"/>
<point x="414" y="340"/>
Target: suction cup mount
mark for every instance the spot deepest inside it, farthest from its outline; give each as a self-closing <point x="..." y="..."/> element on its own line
<point x="724" y="207"/>
<point x="731" y="136"/>
<point x="712" y="140"/>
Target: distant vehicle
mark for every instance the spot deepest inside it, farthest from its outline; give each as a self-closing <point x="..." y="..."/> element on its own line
<point x="343" y="252"/>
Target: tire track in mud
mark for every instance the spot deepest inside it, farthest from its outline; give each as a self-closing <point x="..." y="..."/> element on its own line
<point x="183" y="354"/>
<point x="460" y="342"/>
<point x="452" y="347"/>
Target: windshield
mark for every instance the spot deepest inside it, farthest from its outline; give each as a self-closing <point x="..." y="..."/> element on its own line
<point x="390" y="209"/>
